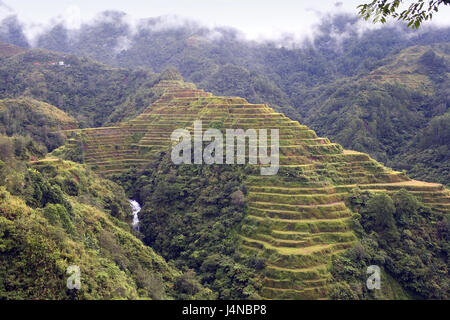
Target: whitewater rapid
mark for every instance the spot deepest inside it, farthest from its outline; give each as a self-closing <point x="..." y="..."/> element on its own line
<point x="136" y="209"/>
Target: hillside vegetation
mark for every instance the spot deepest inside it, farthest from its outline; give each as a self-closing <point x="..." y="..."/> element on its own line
<point x="289" y="228"/>
<point x="398" y="113"/>
<point x="38" y="120"/>
<point x="54" y="214"/>
<point x="90" y="92"/>
<point x="224" y="231"/>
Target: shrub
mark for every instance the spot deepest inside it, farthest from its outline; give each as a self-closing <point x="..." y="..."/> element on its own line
<point x="187" y="284"/>
<point x="379" y="216"/>
<point x="405" y="204"/>
<point x="57" y="215"/>
<point x="6" y="149"/>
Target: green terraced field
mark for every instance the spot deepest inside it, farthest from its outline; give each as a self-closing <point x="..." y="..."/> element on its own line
<point x="297" y="224"/>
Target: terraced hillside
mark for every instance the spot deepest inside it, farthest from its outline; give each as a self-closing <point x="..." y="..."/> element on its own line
<point x="297" y="219"/>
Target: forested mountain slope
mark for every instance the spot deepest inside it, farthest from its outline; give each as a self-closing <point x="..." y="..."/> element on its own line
<point x="38" y="120"/>
<point x="87" y="90"/>
<point x="55" y="214"/>
<point x="398" y="113"/>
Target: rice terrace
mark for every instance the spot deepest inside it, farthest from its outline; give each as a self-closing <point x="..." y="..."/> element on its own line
<point x="225" y="156"/>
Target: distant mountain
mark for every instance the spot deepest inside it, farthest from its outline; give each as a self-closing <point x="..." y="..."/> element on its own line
<point x="87" y="90"/>
<point x="11" y="31"/>
<point x="398" y="112"/>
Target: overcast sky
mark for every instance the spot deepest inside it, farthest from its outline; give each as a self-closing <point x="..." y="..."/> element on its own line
<point x="256" y="18"/>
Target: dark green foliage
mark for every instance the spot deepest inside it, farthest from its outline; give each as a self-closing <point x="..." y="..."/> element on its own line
<point x="170" y="74"/>
<point x="406" y="206"/>
<point x="413" y="13"/>
<point x="71" y="187"/>
<point x="3" y="169"/>
<point x="39" y="192"/>
<point x="187" y="284"/>
<point x="437" y="133"/>
<point x="6" y="148"/>
<point x="62" y="214"/>
<point x="57" y="214"/>
<point x="397" y="125"/>
<point x="428" y="155"/>
<point x="349" y="274"/>
<point x="24" y="147"/>
<point x="433" y="62"/>
<point x="404" y="238"/>
<point x="379" y="216"/>
<point x="191" y="214"/>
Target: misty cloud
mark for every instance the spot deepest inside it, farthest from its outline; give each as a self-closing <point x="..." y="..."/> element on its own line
<point x="72" y="17"/>
<point x="110" y="33"/>
<point x="123" y="44"/>
<point x="11" y="31"/>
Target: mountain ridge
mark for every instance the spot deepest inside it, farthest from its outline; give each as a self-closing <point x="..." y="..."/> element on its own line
<point x="299" y="219"/>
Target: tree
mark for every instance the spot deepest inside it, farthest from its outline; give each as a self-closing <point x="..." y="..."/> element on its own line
<point x="414" y="14"/>
<point x="405" y="204"/>
<point x="6" y="149"/>
<point x="380" y="210"/>
<point x="187" y="283"/>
